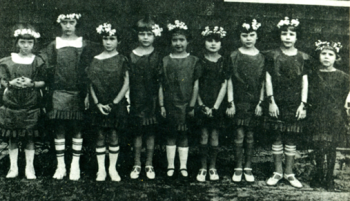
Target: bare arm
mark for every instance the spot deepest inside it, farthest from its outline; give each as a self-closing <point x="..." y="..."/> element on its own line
<point x="258" y="109"/>
<point x="231" y="110"/>
<point x="161" y="101"/>
<point x="194" y="94"/>
<point x="301" y="112"/>
<point x="221" y="95"/>
<point x="273" y="109"/>
<point x="124" y="89"/>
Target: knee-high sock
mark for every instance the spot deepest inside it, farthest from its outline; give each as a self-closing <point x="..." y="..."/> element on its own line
<point x="289" y="151"/>
<point x="101" y="155"/>
<point x="277" y="151"/>
<point x="77" y="146"/>
<point x="60" y="149"/>
<point x="213" y="153"/>
<point x="203" y="149"/>
<point x="183" y="155"/>
<point x="170" y="155"/>
<point x="248" y="154"/>
<point x="113" y="156"/>
<point x="13" y="158"/>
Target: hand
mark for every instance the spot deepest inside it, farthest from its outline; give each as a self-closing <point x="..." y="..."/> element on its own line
<point x="17" y="82"/>
<point x="163" y="112"/>
<point x="230" y="112"/>
<point x="87" y="102"/>
<point x="301" y="112"/>
<point x="104" y="109"/>
<point x="348" y="112"/>
<point x="258" y="110"/>
<point x="209" y="112"/>
<point x="191" y="113"/>
<point x="273" y="110"/>
<point x="27" y="82"/>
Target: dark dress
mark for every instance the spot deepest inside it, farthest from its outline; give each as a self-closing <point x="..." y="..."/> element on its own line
<point x="107" y="79"/>
<point x="21" y="110"/>
<point x="247" y="77"/>
<point x="144" y="88"/>
<point x="328" y="119"/>
<point x="213" y="75"/>
<point x="286" y="74"/>
<point x="66" y="80"/>
<point x="177" y="77"/>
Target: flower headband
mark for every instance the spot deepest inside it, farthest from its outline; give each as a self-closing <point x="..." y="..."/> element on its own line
<point x="216" y="30"/>
<point x="22" y="32"/>
<point x="287" y="22"/>
<point x="330" y="45"/>
<point x="157" y="31"/>
<point x="178" y="24"/>
<point x="68" y="16"/>
<point x="254" y="25"/>
<point x="106" y="28"/>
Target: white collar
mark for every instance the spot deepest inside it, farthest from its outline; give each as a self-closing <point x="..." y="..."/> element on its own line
<point x="77" y="43"/>
<point x="178" y="57"/>
<point x="100" y="56"/>
<point x="20" y="60"/>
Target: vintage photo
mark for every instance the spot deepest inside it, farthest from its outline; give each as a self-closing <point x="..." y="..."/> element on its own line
<point x="174" y="100"/>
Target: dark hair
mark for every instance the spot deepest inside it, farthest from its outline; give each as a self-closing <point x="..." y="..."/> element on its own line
<point x="26" y="36"/>
<point x="298" y="29"/>
<point x="144" y="24"/>
<point x="240" y="29"/>
<point x="178" y="31"/>
<point x="117" y="33"/>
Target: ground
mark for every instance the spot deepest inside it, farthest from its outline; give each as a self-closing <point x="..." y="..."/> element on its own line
<point x="162" y="188"/>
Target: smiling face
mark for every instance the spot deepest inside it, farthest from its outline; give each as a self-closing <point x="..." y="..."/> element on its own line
<point x="146" y="38"/>
<point x="179" y="43"/>
<point x="288" y="38"/>
<point x="110" y="43"/>
<point x="327" y="57"/>
<point x="25" y="46"/>
<point x="212" y="45"/>
<point x="248" y="40"/>
<point x="68" y="26"/>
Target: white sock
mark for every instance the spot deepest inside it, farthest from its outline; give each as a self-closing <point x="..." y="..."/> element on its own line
<point x="13" y="158"/>
<point x="183" y="155"/>
<point x="29" y="157"/>
<point x="60" y="148"/>
<point x="170" y="155"/>
<point x="101" y="155"/>
<point x="77" y="145"/>
<point x="113" y="156"/>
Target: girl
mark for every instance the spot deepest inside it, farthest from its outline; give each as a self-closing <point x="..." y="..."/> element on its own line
<point x="109" y="83"/>
<point x="178" y="93"/>
<point x="331" y="87"/>
<point x="213" y="89"/>
<point x="143" y="93"/>
<point x="245" y="95"/>
<point x="287" y="90"/>
<point x="67" y="91"/>
<point x="22" y="74"/>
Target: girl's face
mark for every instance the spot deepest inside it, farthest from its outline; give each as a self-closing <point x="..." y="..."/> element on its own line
<point x="25" y="46"/>
<point x="249" y="39"/>
<point x="110" y="43"/>
<point x="68" y="26"/>
<point x="212" y="45"/>
<point x="179" y="43"/>
<point x="146" y="38"/>
<point x="327" y="57"/>
<point x="288" y="38"/>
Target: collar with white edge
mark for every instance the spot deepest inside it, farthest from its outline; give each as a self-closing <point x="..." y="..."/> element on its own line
<point x="179" y="57"/>
<point x="100" y="56"/>
<point x="20" y="60"/>
<point x="77" y="43"/>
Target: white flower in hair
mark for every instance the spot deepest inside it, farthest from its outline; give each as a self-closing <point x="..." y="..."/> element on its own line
<point x="68" y="16"/>
<point x="157" y="31"/>
<point x="255" y="24"/>
<point x="178" y="24"/>
<point x="246" y="26"/>
<point x="321" y="45"/>
<point x="22" y="32"/>
<point x="106" y="28"/>
<point x="216" y="30"/>
<point x="287" y="22"/>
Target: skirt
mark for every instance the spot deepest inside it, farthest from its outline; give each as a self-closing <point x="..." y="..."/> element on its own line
<point x="66" y="105"/>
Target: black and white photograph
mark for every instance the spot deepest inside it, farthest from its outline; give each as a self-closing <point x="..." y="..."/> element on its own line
<point x="174" y="100"/>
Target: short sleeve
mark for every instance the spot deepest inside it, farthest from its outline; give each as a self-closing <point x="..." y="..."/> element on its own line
<point x="126" y="65"/>
<point x="4" y="70"/>
<point x="41" y="68"/>
<point x="160" y="76"/>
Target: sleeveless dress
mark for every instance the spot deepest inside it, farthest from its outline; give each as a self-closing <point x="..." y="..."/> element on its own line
<point x="21" y="108"/>
<point x="286" y="74"/>
<point x="328" y="120"/>
<point x="177" y="76"/>
<point x="144" y="86"/>
<point x="247" y="77"/>
<point x="107" y="79"/>
<point x="66" y="79"/>
<point x="213" y="75"/>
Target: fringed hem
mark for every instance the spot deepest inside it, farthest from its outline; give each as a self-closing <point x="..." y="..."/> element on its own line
<point x="19" y="133"/>
<point x="296" y="127"/>
<point x="181" y="127"/>
<point x="149" y="121"/>
<point x="248" y="122"/>
<point x="62" y="114"/>
<point x="321" y="137"/>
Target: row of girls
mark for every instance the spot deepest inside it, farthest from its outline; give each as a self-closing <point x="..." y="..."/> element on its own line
<point x="233" y="88"/>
